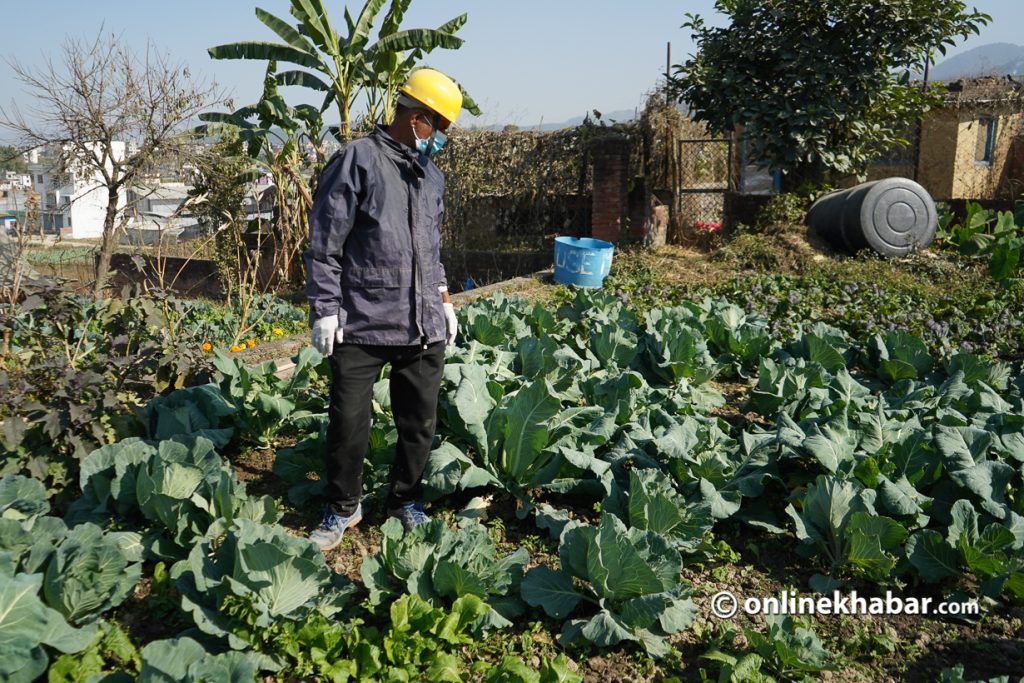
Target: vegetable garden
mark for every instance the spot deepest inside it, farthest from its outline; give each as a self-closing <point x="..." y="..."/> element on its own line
<point x="606" y="461"/>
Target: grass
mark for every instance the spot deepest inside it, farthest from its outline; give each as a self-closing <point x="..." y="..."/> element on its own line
<point x="59" y="255"/>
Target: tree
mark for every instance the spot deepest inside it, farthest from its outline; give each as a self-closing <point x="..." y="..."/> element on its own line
<point x="99" y="96"/>
<point x="14" y="267"/>
<point x="11" y="159"/>
<point x="818" y="86"/>
<point x="275" y="136"/>
<point x="217" y="201"/>
<point x="221" y="186"/>
<point x="342" y="67"/>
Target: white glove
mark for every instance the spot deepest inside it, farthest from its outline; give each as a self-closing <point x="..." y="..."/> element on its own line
<point x="451" y="323"/>
<point x="326" y="331"/>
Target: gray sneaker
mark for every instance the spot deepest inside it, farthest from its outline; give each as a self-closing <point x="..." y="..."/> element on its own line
<point x="410" y="514"/>
<point x="332" y="528"/>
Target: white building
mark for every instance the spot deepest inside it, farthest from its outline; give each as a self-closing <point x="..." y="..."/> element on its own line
<point x="73" y="200"/>
<point x="15" y="181"/>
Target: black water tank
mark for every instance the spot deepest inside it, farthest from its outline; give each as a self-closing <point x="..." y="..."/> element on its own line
<point x="894" y="217"/>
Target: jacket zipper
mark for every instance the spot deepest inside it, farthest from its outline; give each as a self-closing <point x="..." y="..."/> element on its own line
<point x="417" y="270"/>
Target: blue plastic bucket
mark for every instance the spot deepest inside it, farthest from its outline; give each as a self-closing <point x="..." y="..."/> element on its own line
<point x="582" y="261"/>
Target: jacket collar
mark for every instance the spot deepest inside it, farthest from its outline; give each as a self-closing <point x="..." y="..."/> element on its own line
<point x="401" y="154"/>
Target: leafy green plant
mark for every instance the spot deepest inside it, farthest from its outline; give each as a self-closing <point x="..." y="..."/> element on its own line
<point x="899" y="355"/>
<point x="742" y="339"/>
<point x="999" y="236"/>
<point x="796" y="388"/>
<point x="654" y="505"/>
<point x="788" y="648"/>
<point x="522" y="439"/>
<point x="968" y="237"/>
<point x="182" y="487"/>
<point x="263" y="401"/>
<point x="22" y="499"/>
<point x="274" y="574"/>
<point x="956" y="674"/>
<point x="111" y="651"/>
<point x="29" y="629"/>
<point x="993" y="553"/>
<point x="514" y="670"/>
<point x="675" y="347"/>
<point x="440" y="564"/>
<point x="194" y="411"/>
<point x="630" y="576"/>
<point x="92" y="572"/>
<point x="416" y="642"/>
<point x="838" y="519"/>
<point x="707" y="464"/>
<point x="184" y="659"/>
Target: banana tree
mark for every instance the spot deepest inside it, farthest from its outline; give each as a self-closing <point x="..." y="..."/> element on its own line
<point x="342" y="67"/>
<point x="390" y="69"/>
<point x="276" y="135"/>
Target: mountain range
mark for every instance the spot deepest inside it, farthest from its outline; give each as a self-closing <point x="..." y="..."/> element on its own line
<point x="994" y="59"/>
<point x="609" y="117"/>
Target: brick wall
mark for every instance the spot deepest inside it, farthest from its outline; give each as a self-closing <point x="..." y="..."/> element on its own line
<point x="610" y="158"/>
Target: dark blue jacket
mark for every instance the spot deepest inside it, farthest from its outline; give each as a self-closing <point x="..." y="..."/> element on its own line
<point x="375" y="244"/>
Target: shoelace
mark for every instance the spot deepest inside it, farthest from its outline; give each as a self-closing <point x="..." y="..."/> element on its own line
<point x="329" y="521"/>
<point x="416" y="513"/>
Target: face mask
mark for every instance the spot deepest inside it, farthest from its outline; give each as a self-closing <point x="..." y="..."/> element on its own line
<point x="436" y="141"/>
<point x="432" y="145"/>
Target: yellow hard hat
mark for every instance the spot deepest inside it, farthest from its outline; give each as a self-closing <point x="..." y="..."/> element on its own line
<point x="435" y="91"/>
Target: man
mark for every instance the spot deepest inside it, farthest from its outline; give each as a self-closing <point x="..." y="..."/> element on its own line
<point x="377" y="294"/>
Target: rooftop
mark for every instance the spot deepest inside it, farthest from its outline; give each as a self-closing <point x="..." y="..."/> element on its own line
<point x="984" y="90"/>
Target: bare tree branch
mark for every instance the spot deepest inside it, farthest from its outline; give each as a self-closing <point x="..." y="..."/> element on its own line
<point x="97" y="95"/>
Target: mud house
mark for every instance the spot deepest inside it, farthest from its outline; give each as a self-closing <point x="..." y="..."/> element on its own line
<point x="971" y="147"/>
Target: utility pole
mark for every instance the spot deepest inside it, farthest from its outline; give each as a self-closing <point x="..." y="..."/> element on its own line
<point x="920" y="122"/>
<point x="668" y="68"/>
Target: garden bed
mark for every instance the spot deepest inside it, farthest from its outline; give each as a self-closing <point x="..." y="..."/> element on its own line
<point x="674" y="435"/>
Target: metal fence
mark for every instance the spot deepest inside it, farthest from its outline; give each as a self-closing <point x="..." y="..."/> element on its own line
<point x="702" y="179"/>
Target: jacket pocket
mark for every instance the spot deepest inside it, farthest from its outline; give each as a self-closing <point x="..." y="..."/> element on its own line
<point x="369" y="277"/>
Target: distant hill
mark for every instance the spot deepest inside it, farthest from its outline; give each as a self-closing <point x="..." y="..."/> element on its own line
<point x="618" y="116"/>
<point x="994" y="59"/>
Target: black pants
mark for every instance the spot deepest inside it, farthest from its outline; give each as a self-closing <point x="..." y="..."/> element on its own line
<point x="415" y="381"/>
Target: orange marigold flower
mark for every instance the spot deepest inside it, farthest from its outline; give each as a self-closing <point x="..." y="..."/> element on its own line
<point x="207" y="346"/>
<point x="250" y="343"/>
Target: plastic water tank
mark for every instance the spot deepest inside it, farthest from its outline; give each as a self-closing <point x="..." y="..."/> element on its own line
<point x="894" y="217"/>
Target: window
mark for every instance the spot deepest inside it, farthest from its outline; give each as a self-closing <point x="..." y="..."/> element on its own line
<point x="986" y="141"/>
<point x="39" y="179"/>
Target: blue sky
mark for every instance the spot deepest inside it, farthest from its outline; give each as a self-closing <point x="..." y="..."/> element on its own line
<point x="523" y="61"/>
